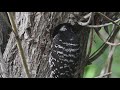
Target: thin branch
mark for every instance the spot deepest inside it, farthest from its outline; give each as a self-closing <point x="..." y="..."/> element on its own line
<point x="103" y="25"/>
<point x="86" y="23"/>
<point x="20" y="49"/>
<point x="91" y="43"/>
<point x="90" y="47"/>
<point x="113" y="44"/>
<point x="106" y="74"/>
<point x="86" y="16"/>
<point x="108" y="64"/>
<point x="110" y="59"/>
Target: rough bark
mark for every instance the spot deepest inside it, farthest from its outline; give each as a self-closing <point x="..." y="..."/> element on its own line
<point x="5" y="30"/>
<point x="34" y="33"/>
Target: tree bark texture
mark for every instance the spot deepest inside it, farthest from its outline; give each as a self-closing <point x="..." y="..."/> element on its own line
<point x="34" y="31"/>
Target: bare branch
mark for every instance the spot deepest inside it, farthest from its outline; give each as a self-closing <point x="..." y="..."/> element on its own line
<point x="113" y="44"/>
<point x="86" y="23"/>
<point x="103" y="25"/>
<point x="110" y="59"/>
<point x="106" y="74"/>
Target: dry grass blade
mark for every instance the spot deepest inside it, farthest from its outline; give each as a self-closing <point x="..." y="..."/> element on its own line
<point x="20" y="49"/>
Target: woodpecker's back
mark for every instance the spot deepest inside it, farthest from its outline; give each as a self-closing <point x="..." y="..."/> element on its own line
<point x="65" y="51"/>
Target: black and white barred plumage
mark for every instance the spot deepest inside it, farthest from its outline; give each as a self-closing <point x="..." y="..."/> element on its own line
<point x="65" y="51"/>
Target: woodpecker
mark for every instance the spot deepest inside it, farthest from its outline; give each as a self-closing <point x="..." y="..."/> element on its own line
<point x="65" y="51"/>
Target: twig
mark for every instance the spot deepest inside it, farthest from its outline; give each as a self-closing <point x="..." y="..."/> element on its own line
<point x="90" y="47"/>
<point x="86" y="23"/>
<point x="91" y="40"/>
<point x="103" y="25"/>
<point x="106" y="74"/>
<point x="113" y="44"/>
<point x="20" y="49"/>
<point x="86" y="16"/>
<point x="110" y="59"/>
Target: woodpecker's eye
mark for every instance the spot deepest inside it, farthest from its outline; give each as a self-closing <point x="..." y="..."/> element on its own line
<point x="56" y="45"/>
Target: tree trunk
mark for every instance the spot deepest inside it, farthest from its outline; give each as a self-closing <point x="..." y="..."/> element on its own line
<point x="34" y="31"/>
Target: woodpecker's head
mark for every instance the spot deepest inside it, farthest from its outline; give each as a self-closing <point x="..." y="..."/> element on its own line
<point x="63" y="29"/>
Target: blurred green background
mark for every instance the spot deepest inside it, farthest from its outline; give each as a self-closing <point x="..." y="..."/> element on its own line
<point x="95" y="68"/>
